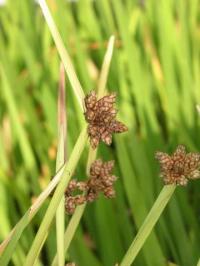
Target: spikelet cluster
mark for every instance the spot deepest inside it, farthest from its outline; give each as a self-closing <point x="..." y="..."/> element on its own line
<point x="101" y="117"/>
<point x="179" y="167"/>
<point x="100" y="180"/>
<point x="74" y="195"/>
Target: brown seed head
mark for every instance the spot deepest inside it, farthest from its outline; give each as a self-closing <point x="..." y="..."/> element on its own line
<point x="109" y="192"/>
<point x="70" y="204"/>
<point x="179" y="167"/>
<point x="73" y="196"/>
<point x="92" y="195"/>
<point x="100" y="180"/>
<point x="101" y="116"/>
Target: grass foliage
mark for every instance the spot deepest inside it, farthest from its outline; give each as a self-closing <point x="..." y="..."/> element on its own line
<point x="155" y="70"/>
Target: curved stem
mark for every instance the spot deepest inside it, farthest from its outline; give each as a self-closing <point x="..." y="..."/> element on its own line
<point x="50" y="213"/>
<point x="148" y="225"/>
<point x="74" y="222"/>
<point x="66" y="60"/>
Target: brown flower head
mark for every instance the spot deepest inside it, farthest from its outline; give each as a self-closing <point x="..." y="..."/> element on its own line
<point x="179" y="167"/>
<point x="73" y="196"/>
<point x="101" y="116"/>
<point x="100" y="180"/>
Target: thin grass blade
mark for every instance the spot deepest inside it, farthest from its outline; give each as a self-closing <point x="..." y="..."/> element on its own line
<point x="8" y="245"/>
<point x="50" y="213"/>
<point x="61" y="159"/>
<point x="150" y="221"/>
<point x="63" y="53"/>
<point x="74" y="222"/>
<point x="71" y="229"/>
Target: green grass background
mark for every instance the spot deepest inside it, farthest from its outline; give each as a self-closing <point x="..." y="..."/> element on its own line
<point x="156" y="73"/>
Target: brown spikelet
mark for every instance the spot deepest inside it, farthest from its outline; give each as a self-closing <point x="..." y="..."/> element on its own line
<point x="179" y="167"/>
<point x="70" y="204"/>
<point x="72" y="195"/>
<point x="100" y="180"/>
<point x="101" y="116"/>
<point x="109" y="192"/>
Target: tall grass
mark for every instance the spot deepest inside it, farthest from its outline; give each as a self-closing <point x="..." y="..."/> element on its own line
<point x="155" y="71"/>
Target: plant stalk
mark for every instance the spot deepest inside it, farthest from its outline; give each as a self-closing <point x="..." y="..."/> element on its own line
<point x="149" y="223"/>
<point x="66" y="60"/>
<point x="74" y="222"/>
<point x="50" y="213"/>
<point x="8" y="245"/>
<point x="60" y="160"/>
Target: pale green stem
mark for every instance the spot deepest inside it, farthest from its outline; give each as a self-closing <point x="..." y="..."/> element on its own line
<point x="60" y="231"/>
<point x="63" y="53"/>
<point x="91" y="158"/>
<point x="74" y="222"/>
<point x="50" y="213"/>
<point x="71" y="229"/>
<point x="60" y="160"/>
<point x="148" y="224"/>
<point x="105" y="68"/>
<point x="8" y="245"/>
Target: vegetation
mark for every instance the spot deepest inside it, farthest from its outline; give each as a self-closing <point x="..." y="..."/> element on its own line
<point x="147" y="52"/>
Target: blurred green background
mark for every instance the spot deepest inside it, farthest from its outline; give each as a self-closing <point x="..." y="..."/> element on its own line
<point x="156" y="73"/>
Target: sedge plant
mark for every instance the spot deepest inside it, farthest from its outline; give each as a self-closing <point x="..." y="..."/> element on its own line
<point x="140" y="63"/>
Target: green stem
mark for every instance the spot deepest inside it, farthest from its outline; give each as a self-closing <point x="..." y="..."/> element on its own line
<point x="60" y="160"/>
<point x="105" y="68"/>
<point x="148" y="224"/>
<point x="74" y="222"/>
<point x="66" y="60"/>
<point x="50" y="213"/>
<point x="71" y="229"/>
<point x="60" y="231"/>
<point x="8" y="245"/>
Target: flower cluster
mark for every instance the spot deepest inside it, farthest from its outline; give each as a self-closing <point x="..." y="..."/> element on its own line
<point x="101" y="117"/>
<point x="74" y="195"/>
<point x="179" y="167"/>
<point x="100" y="180"/>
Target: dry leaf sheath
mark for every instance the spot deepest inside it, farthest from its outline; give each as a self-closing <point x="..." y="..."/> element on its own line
<point x="100" y="180"/>
<point x="101" y="117"/>
<point x="179" y="167"/>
